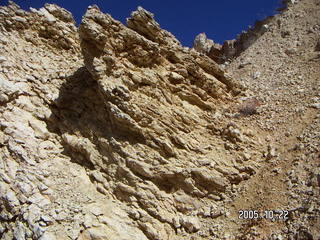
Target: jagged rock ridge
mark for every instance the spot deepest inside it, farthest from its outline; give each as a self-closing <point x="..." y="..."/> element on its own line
<point x="139" y="120"/>
<point x="231" y="49"/>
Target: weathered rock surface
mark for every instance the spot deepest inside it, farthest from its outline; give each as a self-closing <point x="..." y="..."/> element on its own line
<point x="115" y="112"/>
<point x="204" y="45"/>
<point x="110" y="131"/>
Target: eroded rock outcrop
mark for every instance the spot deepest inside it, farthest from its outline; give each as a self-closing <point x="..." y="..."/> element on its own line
<point x="43" y="195"/>
<point x="55" y="26"/>
<point x="231" y="49"/>
<point x="117" y="117"/>
<point x="158" y="99"/>
<point x="204" y="45"/>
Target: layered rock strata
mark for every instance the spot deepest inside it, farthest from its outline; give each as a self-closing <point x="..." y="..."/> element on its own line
<point x="114" y="126"/>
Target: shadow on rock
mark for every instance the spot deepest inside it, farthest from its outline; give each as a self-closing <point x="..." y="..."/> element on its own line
<point x="81" y="117"/>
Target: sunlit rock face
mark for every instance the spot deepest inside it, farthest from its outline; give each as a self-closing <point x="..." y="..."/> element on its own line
<point x="111" y="131"/>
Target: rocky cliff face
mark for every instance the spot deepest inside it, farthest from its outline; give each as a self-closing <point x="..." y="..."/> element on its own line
<point x="110" y="131"/>
<point x="134" y="118"/>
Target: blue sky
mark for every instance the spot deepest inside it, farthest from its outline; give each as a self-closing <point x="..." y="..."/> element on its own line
<point x="220" y="19"/>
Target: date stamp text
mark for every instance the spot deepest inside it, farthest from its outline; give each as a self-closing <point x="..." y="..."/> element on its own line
<point x="266" y="214"/>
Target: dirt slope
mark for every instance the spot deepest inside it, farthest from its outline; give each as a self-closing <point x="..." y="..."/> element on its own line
<point x="282" y="70"/>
